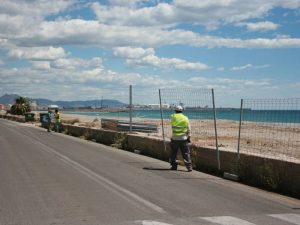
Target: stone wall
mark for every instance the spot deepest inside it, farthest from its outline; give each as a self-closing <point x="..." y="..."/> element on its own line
<point x="17" y="118"/>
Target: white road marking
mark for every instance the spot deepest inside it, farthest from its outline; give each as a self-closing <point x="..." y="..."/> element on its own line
<point x="226" y="220"/>
<point x="289" y="217"/>
<point x="101" y="180"/>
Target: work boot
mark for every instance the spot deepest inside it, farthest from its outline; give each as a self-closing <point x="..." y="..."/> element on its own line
<point x="173" y="168"/>
<point x="189" y="169"/>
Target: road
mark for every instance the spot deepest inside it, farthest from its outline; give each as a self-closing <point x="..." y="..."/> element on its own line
<point x="54" y="179"/>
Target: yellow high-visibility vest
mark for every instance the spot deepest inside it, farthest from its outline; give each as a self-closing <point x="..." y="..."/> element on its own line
<point x="180" y="124"/>
<point x="57" y="117"/>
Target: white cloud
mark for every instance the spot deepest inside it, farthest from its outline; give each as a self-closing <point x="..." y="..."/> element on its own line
<point x="167" y="63"/>
<point x="3" y="42"/>
<point x="161" y="15"/>
<point x="92" y="33"/>
<point x="22" y="23"/>
<point x="209" y="13"/>
<point x="77" y="63"/>
<point x="35" y="8"/>
<point x="228" y="84"/>
<point x="18" y="17"/>
<point x="128" y="3"/>
<point x="73" y="80"/>
<point x="132" y="53"/>
<point x="249" y="66"/>
<point x="260" y="26"/>
<point x="37" y="53"/>
<point x="53" y="58"/>
<point x="261" y="66"/>
<point x="29" y="27"/>
<point x="132" y="3"/>
<point x="94" y="82"/>
<point x="146" y="57"/>
<point x="242" y="67"/>
<point x="43" y="65"/>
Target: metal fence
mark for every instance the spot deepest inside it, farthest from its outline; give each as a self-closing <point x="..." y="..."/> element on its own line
<point x="146" y="112"/>
<point x="136" y="110"/>
<point x="199" y="107"/>
<point x="270" y="128"/>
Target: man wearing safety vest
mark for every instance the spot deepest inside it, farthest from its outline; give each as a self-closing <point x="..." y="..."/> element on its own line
<point x="181" y="134"/>
<point x="57" y="120"/>
<point x="47" y="120"/>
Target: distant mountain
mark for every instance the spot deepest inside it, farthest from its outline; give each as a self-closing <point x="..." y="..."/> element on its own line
<point x="10" y="99"/>
<point x="77" y="104"/>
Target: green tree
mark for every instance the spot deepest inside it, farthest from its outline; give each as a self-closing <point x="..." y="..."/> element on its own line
<point x="21" y="106"/>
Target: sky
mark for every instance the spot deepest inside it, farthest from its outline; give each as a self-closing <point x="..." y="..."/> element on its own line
<point x="84" y="50"/>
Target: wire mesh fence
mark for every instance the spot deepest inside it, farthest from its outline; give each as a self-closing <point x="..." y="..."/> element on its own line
<point x="146" y="112"/>
<point x="228" y="126"/>
<point x="108" y="107"/>
<point x="270" y="128"/>
<point x="198" y="107"/>
<point x="135" y="110"/>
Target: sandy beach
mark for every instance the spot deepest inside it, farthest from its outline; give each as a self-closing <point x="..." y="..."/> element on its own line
<point x="269" y="140"/>
<point x="274" y="140"/>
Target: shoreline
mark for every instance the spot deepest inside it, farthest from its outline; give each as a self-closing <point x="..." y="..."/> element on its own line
<point x="256" y="138"/>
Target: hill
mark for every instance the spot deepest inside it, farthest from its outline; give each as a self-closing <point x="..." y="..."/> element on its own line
<point x="10" y="99"/>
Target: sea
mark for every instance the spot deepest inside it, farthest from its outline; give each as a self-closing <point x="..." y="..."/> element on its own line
<point x="268" y="116"/>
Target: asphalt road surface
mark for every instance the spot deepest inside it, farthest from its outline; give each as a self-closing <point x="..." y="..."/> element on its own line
<point x="53" y="179"/>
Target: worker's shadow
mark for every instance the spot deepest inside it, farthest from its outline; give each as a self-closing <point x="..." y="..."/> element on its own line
<point x="160" y="169"/>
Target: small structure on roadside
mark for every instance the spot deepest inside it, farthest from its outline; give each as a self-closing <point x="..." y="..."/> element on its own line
<point x="53" y="107"/>
<point x="2" y="107"/>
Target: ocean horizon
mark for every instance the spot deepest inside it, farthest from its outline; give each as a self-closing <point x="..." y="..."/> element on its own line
<point x="268" y="116"/>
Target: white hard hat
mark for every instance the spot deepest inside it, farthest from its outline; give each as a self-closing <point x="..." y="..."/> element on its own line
<point x="178" y="108"/>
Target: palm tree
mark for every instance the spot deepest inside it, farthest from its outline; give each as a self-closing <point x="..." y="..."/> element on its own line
<point x="21" y="106"/>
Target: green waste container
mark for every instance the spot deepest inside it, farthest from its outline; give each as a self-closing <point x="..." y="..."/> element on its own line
<point x="29" y="117"/>
<point x="44" y="118"/>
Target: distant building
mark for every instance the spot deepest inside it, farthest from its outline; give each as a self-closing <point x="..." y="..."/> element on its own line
<point x="33" y="105"/>
<point x="157" y="106"/>
<point x="53" y="107"/>
<point x="2" y="107"/>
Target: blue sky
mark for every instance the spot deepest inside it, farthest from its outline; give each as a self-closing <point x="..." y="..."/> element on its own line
<point x="81" y="50"/>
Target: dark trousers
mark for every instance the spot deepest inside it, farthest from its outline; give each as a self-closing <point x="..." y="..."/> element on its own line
<point x="48" y="126"/>
<point x="185" y="151"/>
<point x="57" y="126"/>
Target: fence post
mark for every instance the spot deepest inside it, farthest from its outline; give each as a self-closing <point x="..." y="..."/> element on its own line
<point x="215" y="124"/>
<point x="130" y="108"/>
<point x="240" y="128"/>
<point x="162" y="120"/>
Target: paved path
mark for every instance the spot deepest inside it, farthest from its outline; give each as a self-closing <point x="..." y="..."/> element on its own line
<point x="53" y="179"/>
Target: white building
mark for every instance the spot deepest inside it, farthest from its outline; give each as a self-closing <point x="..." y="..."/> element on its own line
<point x="33" y="105"/>
<point x="157" y="106"/>
<point x="2" y="107"/>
